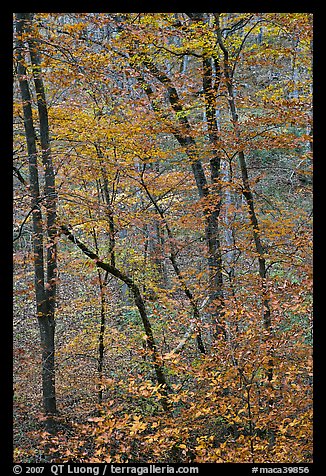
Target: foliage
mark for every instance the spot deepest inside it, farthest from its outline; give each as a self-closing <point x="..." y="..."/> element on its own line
<point x="130" y="120"/>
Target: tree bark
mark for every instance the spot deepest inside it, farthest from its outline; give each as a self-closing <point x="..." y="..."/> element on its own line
<point x="45" y="294"/>
<point x="210" y="89"/>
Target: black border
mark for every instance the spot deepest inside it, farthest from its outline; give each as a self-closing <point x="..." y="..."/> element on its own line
<point x="6" y="268"/>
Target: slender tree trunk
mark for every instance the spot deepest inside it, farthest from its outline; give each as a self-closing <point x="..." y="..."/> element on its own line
<point x="173" y="260"/>
<point x="155" y="247"/>
<point x="183" y="135"/>
<point x="107" y="199"/>
<point x="102" y="282"/>
<point x="229" y="237"/>
<point x="157" y="364"/>
<point x="247" y="193"/>
<point x="45" y="294"/>
<point x="101" y="346"/>
<point x="210" y="90"/>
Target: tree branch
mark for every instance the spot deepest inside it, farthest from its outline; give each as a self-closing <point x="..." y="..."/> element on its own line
<point x="19" y="175"/>
<point x="158" y="367"/>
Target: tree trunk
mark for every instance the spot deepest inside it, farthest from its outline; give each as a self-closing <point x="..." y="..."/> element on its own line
<point x="157" y="364"/>
<point x="45" y="294"/>
<point x="247" y="193"/>
<point x="173" y="260"/>
<point x="210" y="89"/>
<point x="101" y="346"/>
<point x="182" y="133"/>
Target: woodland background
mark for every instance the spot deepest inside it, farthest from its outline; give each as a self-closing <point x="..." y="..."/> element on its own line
<point x="163" y="237"/>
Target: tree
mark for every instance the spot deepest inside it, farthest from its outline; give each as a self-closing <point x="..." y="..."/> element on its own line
<point x="45" y="287"/>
